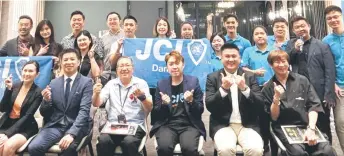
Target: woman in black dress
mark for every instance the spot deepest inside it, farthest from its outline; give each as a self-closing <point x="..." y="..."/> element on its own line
<point x="20" y="102"/>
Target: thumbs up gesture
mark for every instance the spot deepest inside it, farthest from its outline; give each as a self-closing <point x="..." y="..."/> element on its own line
<point x="165" y="98"/>
<point x="97" y="87"/>
<point x="46" y="93"/>
<point x="188" y="96"/>
<point x="279" y="90"/>
<point x="8" y="82"/>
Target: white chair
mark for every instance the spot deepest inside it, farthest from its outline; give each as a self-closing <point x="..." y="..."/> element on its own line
<point x="177" y="149"/>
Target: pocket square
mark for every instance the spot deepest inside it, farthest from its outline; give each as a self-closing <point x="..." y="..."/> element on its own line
<point x="299" y="98"/>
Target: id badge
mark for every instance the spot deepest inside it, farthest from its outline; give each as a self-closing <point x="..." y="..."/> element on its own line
<point x="122" y="119"/>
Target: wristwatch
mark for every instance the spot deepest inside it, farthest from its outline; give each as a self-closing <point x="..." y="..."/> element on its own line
<point x="309" y="127"/>
<point x="245" y="88"/>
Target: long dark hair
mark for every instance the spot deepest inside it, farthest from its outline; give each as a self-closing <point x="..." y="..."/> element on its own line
<point x="39" y="39"/>
<point x="85" y="33"/>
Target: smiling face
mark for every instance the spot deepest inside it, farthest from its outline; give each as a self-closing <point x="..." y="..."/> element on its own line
<point x="217" y="43"/>
<point x="175" y="67"/>
<point x="45" y="31"/>
<point x="260" y="36"/>
<point x="230" y="59"/>
<point x="130" y="27"/>
<point x="280" y="66"/>
<point x="113" y="22"/>
<point x="70" y="63"/>
<point x="125" y="68"/>
<point x="334" y="19"/>
<point x="186" y="31"/>
<point x="162" y="27"/>
<point x="231" y="25"/>
<point x="301" y="28"/>
<point x="280" y="29"/>
<point x="77" y="22"/>
<point x="24" y="27"/>
<point x="83" y="42"/>
<point x="29" y="73"/>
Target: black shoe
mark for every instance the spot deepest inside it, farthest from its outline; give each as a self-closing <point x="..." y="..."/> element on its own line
<point x="266" y="148"/>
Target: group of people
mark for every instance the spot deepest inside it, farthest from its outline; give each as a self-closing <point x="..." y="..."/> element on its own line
<point x="277" y="81"/>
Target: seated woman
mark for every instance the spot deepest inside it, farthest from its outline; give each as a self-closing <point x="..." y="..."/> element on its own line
<point x="91" y="64"/>
<point x="20" y="102"/>
<point x="292" y="100"/>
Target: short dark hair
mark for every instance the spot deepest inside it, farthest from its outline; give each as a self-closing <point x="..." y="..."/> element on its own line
<point x="130" y="17"/>
<point x="220" y="34"/>
<point x="298" y="18"/>
<point x="26" y="17"/>
<point x="70" y="50"/>
<point x="229" y="46"/>
<point x="77" y="12"/>
<point x="35" y="63"/>
<point x="332" y="8"/>
<point x="119" y="16"/>
<point x="229" y="16"/>
<point x="279" y="19"/>
<point x="259" y="26"/>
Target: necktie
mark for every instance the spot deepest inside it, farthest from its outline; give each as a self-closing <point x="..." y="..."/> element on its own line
<point x="67" y="89"/>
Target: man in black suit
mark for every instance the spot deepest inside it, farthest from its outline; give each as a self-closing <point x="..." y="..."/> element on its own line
<point x="234" y="99"/>
<point x="20" y="46"/>
<point x="313" y="59"/>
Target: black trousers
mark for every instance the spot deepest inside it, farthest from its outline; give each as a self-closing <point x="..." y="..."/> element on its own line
<point x="187" y="136"/>
<point x="153" y="118"/>
<point x="129" y="143"/>
<point x="324" y="122"/>
<point x="320" y="149"/>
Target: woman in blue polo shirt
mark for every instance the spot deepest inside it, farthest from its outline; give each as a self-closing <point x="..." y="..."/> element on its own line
<point x="217" y="40"/>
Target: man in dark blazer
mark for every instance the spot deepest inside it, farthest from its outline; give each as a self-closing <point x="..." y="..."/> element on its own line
<point x="20" y="46"/>
<point x="234" y="99"/>
<point x="178" y="110"/>
<point x="66" y="104"/>
<point x="312" y="58"/>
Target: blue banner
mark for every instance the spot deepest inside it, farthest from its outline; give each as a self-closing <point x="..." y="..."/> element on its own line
<point x="14" y="65"/>
<point x="149" y="58"/>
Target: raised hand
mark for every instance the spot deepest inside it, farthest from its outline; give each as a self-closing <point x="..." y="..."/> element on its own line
<point x="91" y="52"/>
<point x="298" y="44"/>
<point x="210" y="18"/>
<point x="260" y="71"/>
<point x="43" y="50"/>
<point x="97" y="87"/>
<point x="46" y="93"/>
<point x="173" y="35"/>
<point x="240" y="81"/>
<point x="165" y="98"/>
<point x="279" y="90"/>
<point x="24" y="51"/>
<point x="188" y="96"/>
<point x="9" y="82"/>
<point x="227" y="82"/>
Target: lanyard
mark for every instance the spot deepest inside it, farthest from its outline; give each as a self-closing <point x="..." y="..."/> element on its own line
<point x="120" y="96"/>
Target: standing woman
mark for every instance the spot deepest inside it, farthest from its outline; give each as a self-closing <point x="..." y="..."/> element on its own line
<point x="45" y="44"/>
<point x="20" y="102"/>
<point x="91" y="63"/>
<point x="217" y="40"/>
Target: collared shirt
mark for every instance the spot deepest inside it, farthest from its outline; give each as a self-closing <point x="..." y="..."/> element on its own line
<point x="235" y="117"/>
<point x="336" y="43"/>
<point x="254" y="59"/>
<point x="296" y="102"/>
<point x="216" y="62"/>
<point x="68" y="42"/>
<point x="24" y="43"/>
<point x="108" y="39"/>
<point x="241" y="42"/>
<point x="129" y="106"/>
<point x="71" y="82"/>
<point x="272" y="41"/>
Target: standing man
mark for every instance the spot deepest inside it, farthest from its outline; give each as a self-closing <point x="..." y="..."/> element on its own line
<point x="231" y="23"/>
<point x="77" y="23"/>
<point x="115" y="32"/>
<point x="335" y="40"/>
<point x="291" y="99"/>
<point x="234" y="100"/>
<point x="66" y="108"/>
<point x="280" y="29"/>
<point x="312" y="58"/>
<point x="127" y="96"/>
<point x="20" y="46"/>
<point x="178" y="110"/>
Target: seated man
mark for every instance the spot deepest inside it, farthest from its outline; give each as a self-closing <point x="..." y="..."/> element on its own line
<point x="234" y="99"/>
<point x="66" y="103"/>
<point x="129" y="102"/>
<point x="178" y="108"/>
<point x="292" y="100"/>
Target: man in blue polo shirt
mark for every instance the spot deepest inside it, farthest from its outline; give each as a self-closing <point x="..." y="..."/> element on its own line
<point x="279" y="39"/>
<point x="255" y="60"/>
<point x="335" y="40"/>
<point x="230" y="23"/>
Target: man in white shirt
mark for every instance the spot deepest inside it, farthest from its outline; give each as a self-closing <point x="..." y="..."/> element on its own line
<point x="234" y="99"/>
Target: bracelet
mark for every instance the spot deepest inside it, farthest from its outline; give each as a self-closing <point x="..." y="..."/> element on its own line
<point x="142" y="97"/>
<point x="226" y="90"/>
<point x="244" y="88"/>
